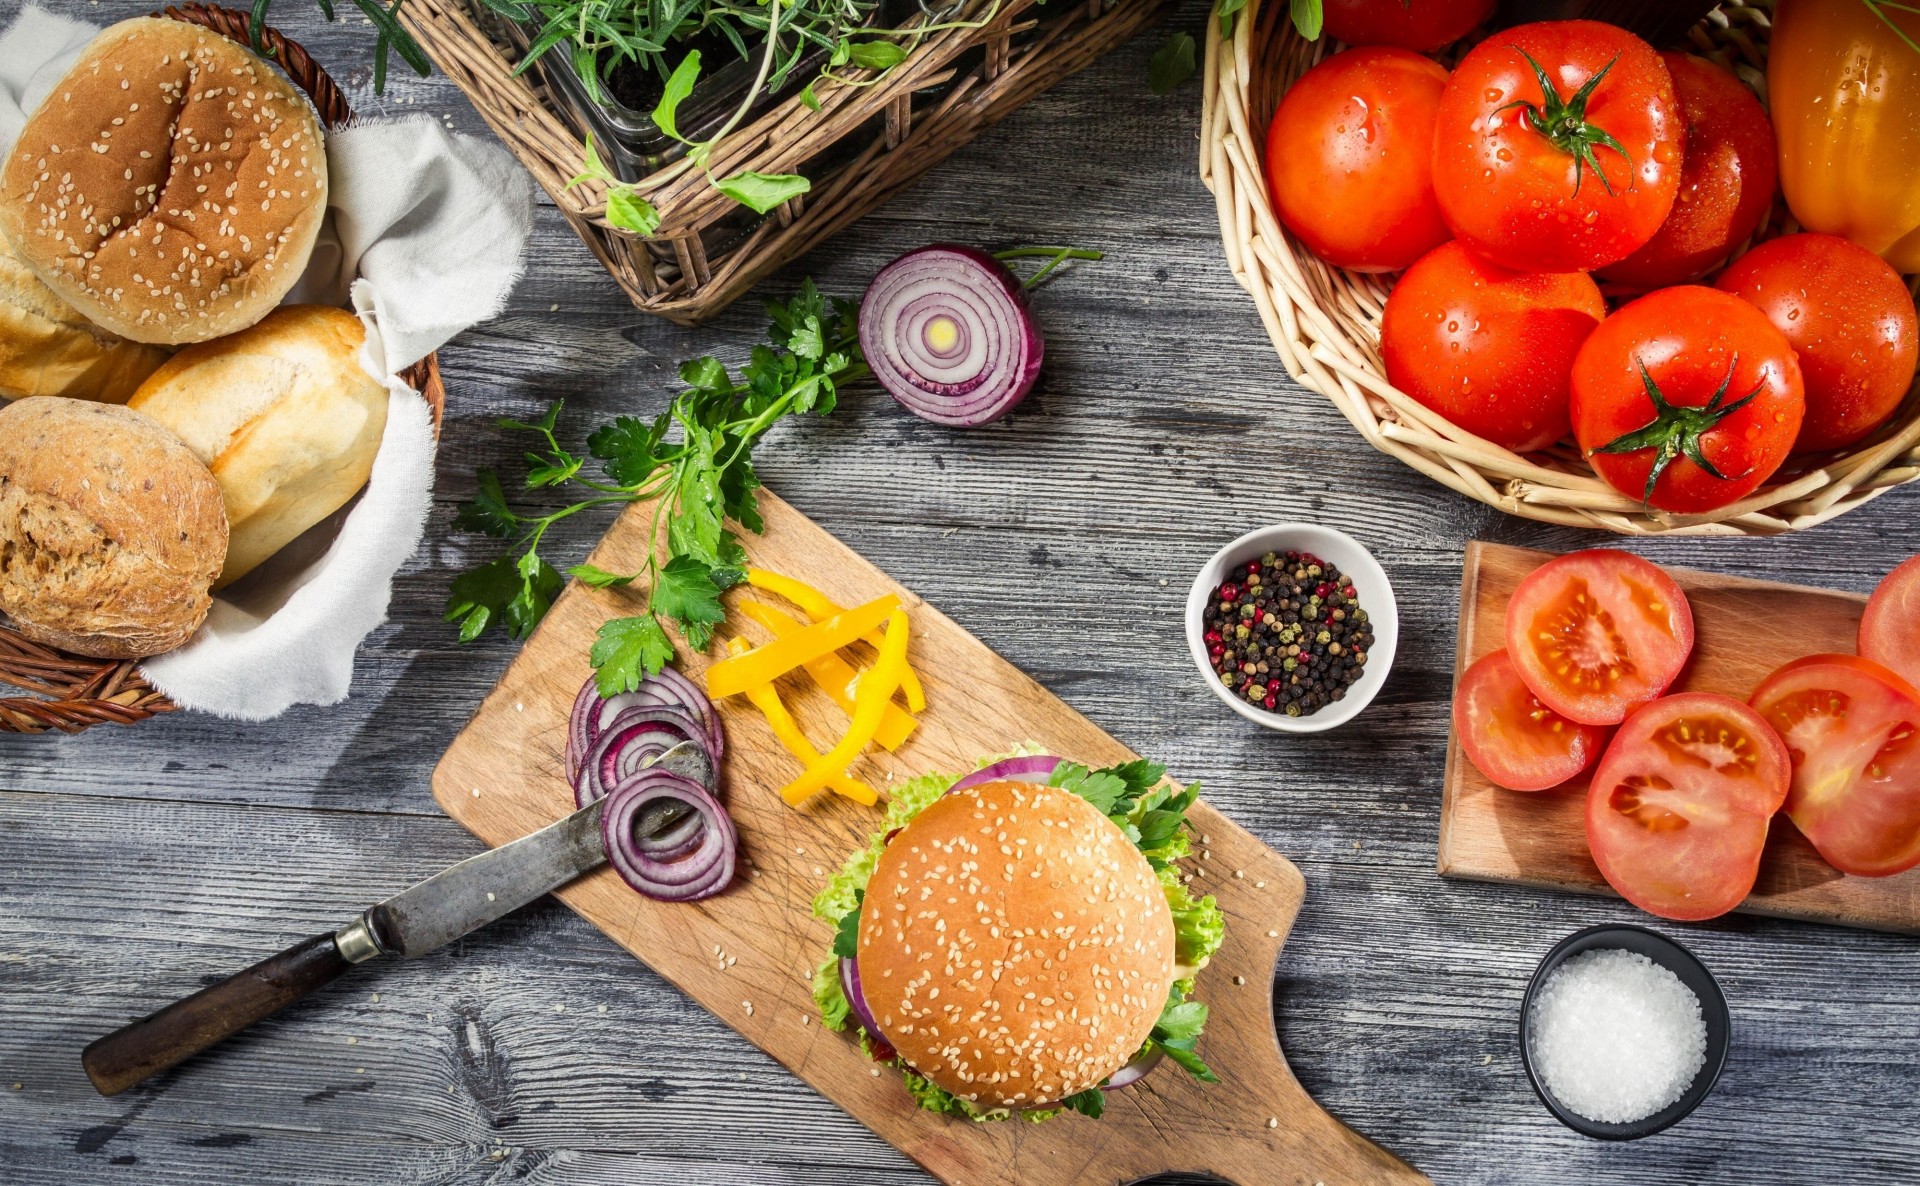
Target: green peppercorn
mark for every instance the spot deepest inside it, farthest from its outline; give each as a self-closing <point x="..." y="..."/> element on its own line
<point x="1324" y="637"/>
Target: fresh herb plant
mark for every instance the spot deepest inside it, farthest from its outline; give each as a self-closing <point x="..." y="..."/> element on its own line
<point x="390" y="36"/>
<point x="697" y="482"/>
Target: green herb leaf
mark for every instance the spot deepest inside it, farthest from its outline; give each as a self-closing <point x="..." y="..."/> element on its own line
<point x="685" y="592"/>
<point x="629" y="448"/>
<point x="627" y="651"/>
<point x="1180" y="1021"/>
<point x="599" y="578"/>
<point x="679" y="85"/>
<point x="1229" y="9"/>
<point x="487" y="512"/>
<point x="1091" y="1102"/>
<point x="1192" y="1063"/>
<point x="631" y="212"/>
<point x="761" y="192"/>
<point x="809" y="99"/>
<point x="1307" y="17"/>
<point x="846" y="937"/>
<point x="876" y="55"/>
<point x="1171" y="64"/>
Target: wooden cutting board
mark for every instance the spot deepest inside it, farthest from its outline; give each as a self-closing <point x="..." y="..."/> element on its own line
<point x="748" y="955"/>
<point x="1744" y="630"/>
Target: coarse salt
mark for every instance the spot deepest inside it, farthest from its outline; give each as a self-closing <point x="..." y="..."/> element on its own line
<point x="1615" y="1036"/>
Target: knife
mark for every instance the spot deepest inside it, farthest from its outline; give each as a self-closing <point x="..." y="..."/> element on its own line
<point x="425" y="918"/>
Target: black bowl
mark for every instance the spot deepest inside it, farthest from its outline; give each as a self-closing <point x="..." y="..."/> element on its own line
<point x="1692" y="973"/>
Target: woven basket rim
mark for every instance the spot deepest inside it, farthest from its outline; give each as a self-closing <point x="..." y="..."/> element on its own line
<point x="76" y="692"/>
<point x="1324" y="321"/>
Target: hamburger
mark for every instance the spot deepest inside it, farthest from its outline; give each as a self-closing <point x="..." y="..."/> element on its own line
<point x="1020" y="940"/>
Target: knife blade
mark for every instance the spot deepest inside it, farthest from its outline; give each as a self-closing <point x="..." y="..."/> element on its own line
<point x="425" y="917"/>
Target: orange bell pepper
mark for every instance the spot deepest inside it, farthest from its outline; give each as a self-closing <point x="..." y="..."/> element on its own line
<point x="763" y="665"/>
<point x="869" y="704"/>
<point x="818" y="605"/>
<point x="767" y="699"/>
<point x="1843" y="81"/>
<point x="834" y="675"/>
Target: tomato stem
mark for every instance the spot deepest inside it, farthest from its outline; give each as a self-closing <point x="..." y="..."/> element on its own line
<point x="1675" y="431"/>
<point x="1564" y="123"/>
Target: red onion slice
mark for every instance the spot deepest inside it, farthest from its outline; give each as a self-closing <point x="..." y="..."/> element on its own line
<point x="687" y="694"/>
<point x="626" y="745"/>
<point x="592" y="714"/>
<point x="700" y="871"/>
<point x="582" y="725"/>
<point x="857" y="1001"/>
<point x="1038" y="768"/>
<point x="1141" y="1066"/>
<point x="947" y="332"/>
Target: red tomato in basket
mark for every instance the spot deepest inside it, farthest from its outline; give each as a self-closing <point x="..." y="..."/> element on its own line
<point x="1490" y="349"/>
<point x="1687" y="399"/>
<point x="1851" y="322"/>
<point x="1596" y="634"/>
<point x="1853" y="728"/>
<point x="1535" y="171"/>
<point x="1677" y="812"/>
<point x="1409" y="24"/>
<point x="1512" y="738"/>
<point x="1890" y="629"/>
<point x="1727" y="179"/>
<point x="1348" y="159"/>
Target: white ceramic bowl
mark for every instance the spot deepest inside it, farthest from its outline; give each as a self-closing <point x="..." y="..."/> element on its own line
<point x="1370" y="585"/>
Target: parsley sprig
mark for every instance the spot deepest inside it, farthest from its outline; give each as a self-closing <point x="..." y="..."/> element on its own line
<point x="700" y="480"/>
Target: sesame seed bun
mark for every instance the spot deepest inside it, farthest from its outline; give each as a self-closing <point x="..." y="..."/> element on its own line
<point x="170" y="187"/>
<point x="1015" y="947"/>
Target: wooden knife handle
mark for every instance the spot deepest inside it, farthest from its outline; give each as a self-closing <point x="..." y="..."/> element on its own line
<point x="185" y="1028"/>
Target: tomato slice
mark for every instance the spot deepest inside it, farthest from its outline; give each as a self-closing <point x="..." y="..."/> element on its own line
<point x="1677" y="813"/>
<point x="1853" y="729"/>
<point x="1890" y="630"/>
<point x="1512" y="738"/>
<point x="1598" y="633"/>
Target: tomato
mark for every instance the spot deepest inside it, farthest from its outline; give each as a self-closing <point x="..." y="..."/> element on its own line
<point x="1490" y="349"/>
<point x="1728" y="176"/>
<point x="1850" y="320"/>
<point x="1890" y="629"/>
<point x="1512" y="738"/>
<point x="1409" y="24"/>
<point x="1348" y="159"/>
<point x="1537" y="172"/>
<point x="1598" y="633"/>
<point x="1687" y="399"/>
<point x="1677" y="813"/>
<point x="1853" y="728"/>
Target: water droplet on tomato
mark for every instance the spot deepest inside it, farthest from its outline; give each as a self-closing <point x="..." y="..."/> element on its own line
<point x="1505" y="154"/>
<point x="1453" y="327"/>
<point x="1495" y="94"/>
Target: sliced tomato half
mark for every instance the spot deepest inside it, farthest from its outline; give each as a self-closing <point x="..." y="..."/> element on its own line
<point x="1596" y="634"/>
<point x="1890" y="629"/>
<point x="1677" y="812"/>
<point x="1512" y="738"/>
<point x="1853" y="730"/>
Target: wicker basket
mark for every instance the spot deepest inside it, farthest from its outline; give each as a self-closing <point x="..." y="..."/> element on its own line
<point x="73" y="692"/>
<point x="1325" y="321"/>
<point x="863" y="146"/>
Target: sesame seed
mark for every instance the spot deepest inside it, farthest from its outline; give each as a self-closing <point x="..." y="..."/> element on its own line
<point x="1273" y="1122"/>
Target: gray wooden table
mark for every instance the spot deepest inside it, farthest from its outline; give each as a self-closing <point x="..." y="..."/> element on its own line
<point x="137" y="864"/>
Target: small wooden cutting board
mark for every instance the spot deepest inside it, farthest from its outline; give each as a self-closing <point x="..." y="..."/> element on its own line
<point x="748" y="955"/>
<point x="1744" y="629"/>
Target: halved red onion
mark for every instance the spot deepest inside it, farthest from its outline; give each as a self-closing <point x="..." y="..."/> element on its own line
<point x="947" y="332"/>
<point x="697" y="870"/>
<point x="1038" y="768"/>
<point x="1141" y="1066"/>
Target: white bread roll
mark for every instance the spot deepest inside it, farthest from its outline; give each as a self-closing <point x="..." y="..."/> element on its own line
<point x="285" y="417"/>
<point x="110" y="530"/>
<point x="170" y="187"/>
<point x="48" y="348"/>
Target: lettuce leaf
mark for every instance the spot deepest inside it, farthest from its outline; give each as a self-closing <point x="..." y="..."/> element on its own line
<point x="829" y="996"/>
<point x="1198" y="926"/>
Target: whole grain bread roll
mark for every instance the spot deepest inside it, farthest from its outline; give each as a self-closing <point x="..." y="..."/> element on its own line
<point x="285" y="417"/>
<point x="111" y="531"/>
<point x="48" y="348"/>
<point x="170" y="187"/>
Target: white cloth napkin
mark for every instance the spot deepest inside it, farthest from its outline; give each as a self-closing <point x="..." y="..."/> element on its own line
<point x="424" y="235"/>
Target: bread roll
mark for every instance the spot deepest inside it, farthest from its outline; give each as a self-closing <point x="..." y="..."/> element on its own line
<point x="170" y="187"/>
<point x="111" y="531"/>
<point x="285" y="417"/>
<point x="48" y="348"/>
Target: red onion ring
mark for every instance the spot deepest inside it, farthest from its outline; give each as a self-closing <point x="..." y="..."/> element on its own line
<point x="1038" y="768"/>
<point x="1136" y="1070"/>
<point x="700" y="871"/>
<point x="947" y="332"/>
<point x="625" y="746"/>
<point x="591" y="714"/>
<point x="582" y="725"/>
<point x="857" y="1002"/>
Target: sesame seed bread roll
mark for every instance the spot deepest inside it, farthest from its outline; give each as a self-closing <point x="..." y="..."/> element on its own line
<point x="285" y="417"/>
<point x="111" y="532"/>
<point x="170" y="187"/>
<point x="48" y="348"/>
<point x="1015" y="947"/>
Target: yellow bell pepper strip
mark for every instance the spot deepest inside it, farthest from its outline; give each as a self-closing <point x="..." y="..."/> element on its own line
<point x="763" y="665"/>
<point x="834" y="675"/>
<point x="1843" y="81"/>
<point x="767" y="699"/>
<point x="869" y="703"/>
<point x="818" y="605"/>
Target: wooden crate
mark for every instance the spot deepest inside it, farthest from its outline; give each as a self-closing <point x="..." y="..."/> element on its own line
<point x="863" y="146"/>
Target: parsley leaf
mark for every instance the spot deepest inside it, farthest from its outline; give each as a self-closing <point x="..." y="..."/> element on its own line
<point x="487" y="512"/>
<point x="1091" y="1102"/>
<point x="629" y="449"/>
<point x="846" y="937"/>
<point x="685" y="592"/>
<point x="627" y="650"/>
